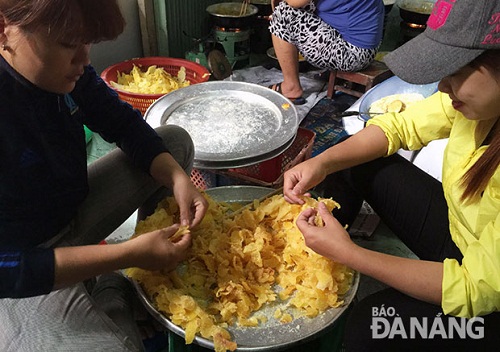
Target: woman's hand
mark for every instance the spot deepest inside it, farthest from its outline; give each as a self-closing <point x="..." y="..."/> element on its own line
<point x="300" y="179"/>
<point x="155" y="251"/>
<point x="192" y="204"/>
<point x="417" y="278"/>
<point x="152" y="251"/>
<point x="331" y="240"/>
<point x="368" y="144"/>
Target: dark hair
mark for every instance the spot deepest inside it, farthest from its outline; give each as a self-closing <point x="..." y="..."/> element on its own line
<point x="73" y="21"/>
<point x="477" y="177"/>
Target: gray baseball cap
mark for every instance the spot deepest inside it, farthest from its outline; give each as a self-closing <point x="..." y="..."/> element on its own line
<point x="457" y="32"/>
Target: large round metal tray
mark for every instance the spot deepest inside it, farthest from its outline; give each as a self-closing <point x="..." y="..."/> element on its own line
<point x="230" y="164"/>
<point x="267" y="337"/>
<point x="228" y="121"/>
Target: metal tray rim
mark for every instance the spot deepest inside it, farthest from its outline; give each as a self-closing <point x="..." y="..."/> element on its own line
<point x="284" y="110"/>
<point x="246" y="193"/>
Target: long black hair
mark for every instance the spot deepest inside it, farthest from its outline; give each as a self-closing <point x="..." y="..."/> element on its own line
<point x="477" y="177"/>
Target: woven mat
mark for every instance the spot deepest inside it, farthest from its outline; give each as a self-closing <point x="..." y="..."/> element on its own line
<point x="323" y="120"/>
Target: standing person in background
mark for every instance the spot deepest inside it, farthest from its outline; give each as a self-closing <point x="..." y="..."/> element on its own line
<point x="54" y="209"/>
<point x="449" y="300"/>
<point x="331" y="34"/>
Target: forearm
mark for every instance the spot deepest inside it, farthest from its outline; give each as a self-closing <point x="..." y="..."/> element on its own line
<point x="417" y="278"/>
<point x="150" y="251"/>
<point x="166" y="171"/>
<point x="368" y="144"/>
<point x="75" y="264"/>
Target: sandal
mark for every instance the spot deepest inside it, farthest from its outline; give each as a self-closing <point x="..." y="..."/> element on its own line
<point x="296" y="101"/>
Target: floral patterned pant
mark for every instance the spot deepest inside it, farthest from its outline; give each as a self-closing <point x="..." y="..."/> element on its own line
<point x="320" y="44"/>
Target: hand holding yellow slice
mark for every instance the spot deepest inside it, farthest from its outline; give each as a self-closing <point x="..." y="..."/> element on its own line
<point x="181" y="231"/>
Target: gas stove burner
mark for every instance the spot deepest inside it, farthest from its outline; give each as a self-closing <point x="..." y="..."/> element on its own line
<point x="235" y="44"/>
<point x="232" y="30"/>
<point x="408" y="31"/>
<point x="415" y="25"/>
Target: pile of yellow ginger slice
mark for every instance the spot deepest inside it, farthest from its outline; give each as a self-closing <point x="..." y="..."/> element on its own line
<point x="240" y="264"/>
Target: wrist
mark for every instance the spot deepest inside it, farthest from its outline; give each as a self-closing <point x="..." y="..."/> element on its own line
<point x="126" y="254"/>
<point x="325" y="163"/>
<point x="349" y="255"/>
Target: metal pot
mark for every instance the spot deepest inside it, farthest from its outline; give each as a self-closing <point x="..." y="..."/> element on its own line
<point x="415" y="11"/>
<point x="227" y="15"/>
<point x="388" y="5"/>
<point x="265" y="9"/>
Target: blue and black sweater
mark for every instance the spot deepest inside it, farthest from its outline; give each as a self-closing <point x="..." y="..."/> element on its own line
<point x="43" y="172"/>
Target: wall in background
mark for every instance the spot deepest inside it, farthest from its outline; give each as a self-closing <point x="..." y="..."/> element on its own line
<point x="392" y="37"/>
<point x="127" y="46"/>
<point x="176" y="24"/>
<point x="171" y="26"/>
<point x="179" y="23"/>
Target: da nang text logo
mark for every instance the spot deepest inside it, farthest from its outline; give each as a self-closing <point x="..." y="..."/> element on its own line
<point x="387" y="324"/>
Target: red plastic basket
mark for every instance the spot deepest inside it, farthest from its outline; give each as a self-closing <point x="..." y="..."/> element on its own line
<point x="203" y="179"/>
<point x="269" y="173"/>
<point x="195" y="73"/>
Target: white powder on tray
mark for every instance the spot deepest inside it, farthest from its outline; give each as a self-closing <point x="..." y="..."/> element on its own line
<point x="226" y="125"/>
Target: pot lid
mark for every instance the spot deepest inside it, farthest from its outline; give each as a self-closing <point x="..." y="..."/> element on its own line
<point x="231" y="10"/>
<point x="419" y="6"/>
<point x="219" y="65"/>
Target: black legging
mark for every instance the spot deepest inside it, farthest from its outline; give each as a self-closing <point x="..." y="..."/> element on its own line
<point x="411" y="203"/>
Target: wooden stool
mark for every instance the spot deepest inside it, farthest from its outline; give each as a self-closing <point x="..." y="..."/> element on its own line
<point x="357" y="83"/>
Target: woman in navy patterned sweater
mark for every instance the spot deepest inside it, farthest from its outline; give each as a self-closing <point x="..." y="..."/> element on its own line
<point x="54" y="210"/>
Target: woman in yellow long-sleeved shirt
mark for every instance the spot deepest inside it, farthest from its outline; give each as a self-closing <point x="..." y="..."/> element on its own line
<point x="450" y="298"/>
